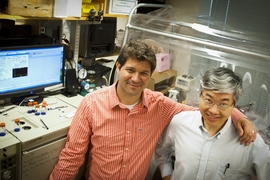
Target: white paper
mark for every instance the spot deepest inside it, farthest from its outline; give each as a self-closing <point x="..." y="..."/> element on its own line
<point x="121" y="6"/>
<point x="60" y="8"/>
<point x="74" y="8"/>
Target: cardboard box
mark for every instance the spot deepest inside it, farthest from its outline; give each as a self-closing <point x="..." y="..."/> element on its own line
<point x="163" y="81"/>
<point x="163" y="62"/>
<point x="35" y="8"/>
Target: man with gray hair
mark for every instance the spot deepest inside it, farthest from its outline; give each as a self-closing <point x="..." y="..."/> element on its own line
<point x="205" y="145"/>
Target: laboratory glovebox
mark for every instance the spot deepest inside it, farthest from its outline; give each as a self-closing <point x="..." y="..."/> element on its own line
<point x="41" y="137"/>
<point x="196" y="43"/>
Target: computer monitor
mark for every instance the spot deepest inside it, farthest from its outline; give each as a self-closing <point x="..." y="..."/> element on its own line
<point x="27" y="70"/>
<point x="98" y="40"/>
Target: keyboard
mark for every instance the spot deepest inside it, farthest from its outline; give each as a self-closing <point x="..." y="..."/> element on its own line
<point x="98" y="70"/>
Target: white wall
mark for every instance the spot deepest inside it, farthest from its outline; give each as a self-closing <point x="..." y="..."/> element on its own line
<point x="121" y="23"/>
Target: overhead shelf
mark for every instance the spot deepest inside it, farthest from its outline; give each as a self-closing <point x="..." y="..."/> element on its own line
<point x="19" y="17"/>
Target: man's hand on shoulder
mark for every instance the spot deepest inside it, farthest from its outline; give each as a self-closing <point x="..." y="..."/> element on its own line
<point x="246" y="130"/>
<point x="167" y="177"/>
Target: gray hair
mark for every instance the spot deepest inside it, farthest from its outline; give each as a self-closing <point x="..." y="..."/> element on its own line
<point x="223" y="80"/>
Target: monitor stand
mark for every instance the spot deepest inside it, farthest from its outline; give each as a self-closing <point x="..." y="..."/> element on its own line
<point x="23" y="100"/>
<point x="69" y="94"/>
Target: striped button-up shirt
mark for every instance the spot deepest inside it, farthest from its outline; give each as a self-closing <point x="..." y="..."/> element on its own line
<point x="120" y="141"/>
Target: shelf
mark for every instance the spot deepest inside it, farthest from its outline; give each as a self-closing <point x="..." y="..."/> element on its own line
<point x="104" y="4"/>
<point x="6" y="16"/>
<point x="162" y="81"/>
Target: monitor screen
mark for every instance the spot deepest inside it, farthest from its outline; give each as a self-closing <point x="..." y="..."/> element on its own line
<point x="27" y="70"/>
<point x="98" y="40"/>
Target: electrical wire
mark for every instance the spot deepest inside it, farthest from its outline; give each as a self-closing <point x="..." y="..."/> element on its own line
<point x="106" y="80"/>
<point x="68" y="47"/>
<point x="27" y="99"/>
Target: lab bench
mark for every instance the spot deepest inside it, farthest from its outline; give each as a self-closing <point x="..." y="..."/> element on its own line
<point x="33" y="150"/>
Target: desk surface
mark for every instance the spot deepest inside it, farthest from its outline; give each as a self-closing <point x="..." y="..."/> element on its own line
<point x="33" y="131"/>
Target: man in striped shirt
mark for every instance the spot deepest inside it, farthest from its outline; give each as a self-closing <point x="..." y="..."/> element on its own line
<point x="116" y="128"/>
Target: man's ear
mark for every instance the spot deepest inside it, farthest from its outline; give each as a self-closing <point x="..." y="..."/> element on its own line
<point x="118" y="66"/>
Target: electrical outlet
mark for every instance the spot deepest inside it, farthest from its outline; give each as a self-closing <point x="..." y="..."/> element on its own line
<point x="42" y="30"/>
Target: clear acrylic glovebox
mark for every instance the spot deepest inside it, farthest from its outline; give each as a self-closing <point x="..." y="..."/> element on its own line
<point x="197" y="43"/>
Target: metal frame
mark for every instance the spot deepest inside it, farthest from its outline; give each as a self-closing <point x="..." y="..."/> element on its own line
<point x="180" y="37"/>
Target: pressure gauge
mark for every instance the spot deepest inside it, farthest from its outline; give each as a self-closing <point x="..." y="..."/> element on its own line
<point x="82" y="73"/>
<point x="85" y="85"/>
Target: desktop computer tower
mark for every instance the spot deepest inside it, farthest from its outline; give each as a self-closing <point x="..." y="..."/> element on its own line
<point x="71" y="83"/>
<point x="98" y="40"/>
